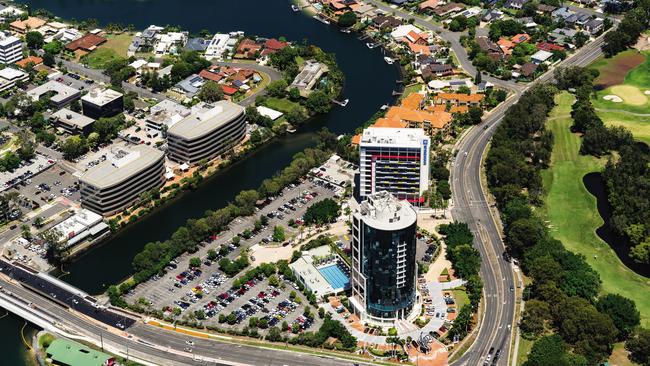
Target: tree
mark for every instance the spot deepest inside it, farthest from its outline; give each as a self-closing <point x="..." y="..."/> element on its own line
<point x="322" y="212"/>
<point x="552" y="351"/>
<point x="318" y="102"/>
<point x="212" y="254"/>
<point x="34" y="40"/>
<point x="277" y="88"/>
<point x="535" y="316"/>
<point x="195" y="262"/>
<point x="466" y="260"/>
<point x="639" y="346"/>
<point x="347" y="19"/>
<point x="278" y="234"/>
<point x="622" y="311"/>
<point x="74" y="147"/>
<point x="256" y="137"/>
<point x="211" y="92"/>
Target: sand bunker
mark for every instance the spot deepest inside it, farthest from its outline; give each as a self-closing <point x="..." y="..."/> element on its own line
<point x="613" y="98"/>
<point x="647" y="92"/>
<point x="631" y="94"/>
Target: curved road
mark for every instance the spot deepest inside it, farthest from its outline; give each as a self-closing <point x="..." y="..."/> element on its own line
<point x="472" y="207"/>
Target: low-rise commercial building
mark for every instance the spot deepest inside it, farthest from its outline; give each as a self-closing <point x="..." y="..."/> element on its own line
<point x="59" y="93"/>
<point x="209" y="131"/>
<point x="102" y="103"/>
<point x="165" y="114"/>
<point x="321" y="271"/>
<point x="9" y="77"/>
<point x="11" y="48"/>
<point x="23" y="26"/>
<point x="83" y="225"/>
<point x="72" y="122"/>
<point x="114" y="184"/>
<point x="65" y="352"/>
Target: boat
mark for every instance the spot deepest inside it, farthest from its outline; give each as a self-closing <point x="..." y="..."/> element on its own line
<point x="371" y="45"/>
<point x="295" y="8"/>
<point x="389" y="60"/>
<point x="321" y="19"/>
<point x="341" y="103"/>
<point x="346" y="30"/>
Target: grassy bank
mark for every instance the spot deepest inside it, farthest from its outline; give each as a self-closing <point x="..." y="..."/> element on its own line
<point x="572" y="215"/>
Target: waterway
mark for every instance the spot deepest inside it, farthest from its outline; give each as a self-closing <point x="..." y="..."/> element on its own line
<point x="595" y="184"/>
<point x="369" y="84"/>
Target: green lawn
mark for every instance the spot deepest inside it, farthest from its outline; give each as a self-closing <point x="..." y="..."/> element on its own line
<point x="525" y="345"/>
<point x="118" y="43"/>
<point x="283" y="105"/>
<point x="460" y="297"/>
<point x="638" y="125"/>
<point x="410" y="90"/>
<point x="99" y="58"/>
<point x="572" y="214"/>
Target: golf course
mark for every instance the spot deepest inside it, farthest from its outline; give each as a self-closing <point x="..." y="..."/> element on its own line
<point x="624" y="95"/>
<point x="571" y="211"/>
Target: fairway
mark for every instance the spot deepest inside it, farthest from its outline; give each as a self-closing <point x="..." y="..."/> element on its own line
<point x="638" y="125"/>
<point x="572" y="214"/>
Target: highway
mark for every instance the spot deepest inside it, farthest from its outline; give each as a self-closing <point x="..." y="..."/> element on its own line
<point x="74" y="314"/>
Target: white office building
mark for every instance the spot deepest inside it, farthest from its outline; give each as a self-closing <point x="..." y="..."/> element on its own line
<point x="11" y="48"/>
<point x="394" y="160"/>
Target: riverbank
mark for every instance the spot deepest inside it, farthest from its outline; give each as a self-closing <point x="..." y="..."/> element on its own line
<point x="572" y="213"/>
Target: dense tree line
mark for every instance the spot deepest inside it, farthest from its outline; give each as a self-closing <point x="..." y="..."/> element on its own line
<point x="627" y="33"/>
<point x="466" y="262"/>
<point x="562" y="299"/>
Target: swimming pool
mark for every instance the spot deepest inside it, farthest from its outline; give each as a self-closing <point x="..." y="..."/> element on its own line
<point x="335" y="276"/>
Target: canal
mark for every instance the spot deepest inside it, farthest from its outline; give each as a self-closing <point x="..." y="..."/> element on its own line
<point x="369" y="84"/>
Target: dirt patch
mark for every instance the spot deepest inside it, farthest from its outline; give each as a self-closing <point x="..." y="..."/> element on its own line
<point x="616" y="69"/>
<point x="643" y="44"/>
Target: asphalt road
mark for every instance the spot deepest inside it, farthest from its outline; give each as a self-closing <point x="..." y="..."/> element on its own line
<point x="471" y="206"/>
<point x="140" y="340"/>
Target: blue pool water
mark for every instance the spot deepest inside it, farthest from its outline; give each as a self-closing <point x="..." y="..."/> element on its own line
<point x="335" y="276"/>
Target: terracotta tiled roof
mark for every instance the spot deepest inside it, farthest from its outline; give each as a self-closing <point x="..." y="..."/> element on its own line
<point x="31" y="59"/>
<point x="228" y="90"/>
<point x="437" y="120"/>
<point x="428" y="4"/>
<point x="356" y="139"/>
<point x="88" y="42"/>
<point x="413" y="101"/>
<point x="443" y="108"/>
<point x="390" y="123"/>
<point x="416" y="48"/>
<point x="209" y="75"/>
<point x="474" y="98"/>
<point x="29" y="23"/>
<point x="520" y="38"/>
<point x="274" y="44"/>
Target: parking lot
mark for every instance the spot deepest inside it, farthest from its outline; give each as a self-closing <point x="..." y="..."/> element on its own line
<point x="210" y="290"/>
<point x="51" y="183"/>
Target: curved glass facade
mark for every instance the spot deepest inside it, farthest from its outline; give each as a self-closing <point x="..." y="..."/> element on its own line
<point x="388" y="264"/>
